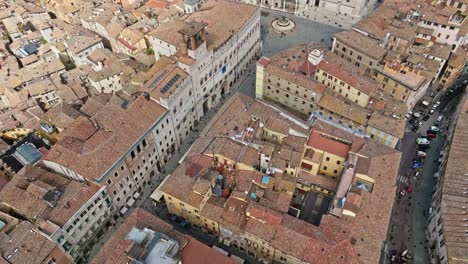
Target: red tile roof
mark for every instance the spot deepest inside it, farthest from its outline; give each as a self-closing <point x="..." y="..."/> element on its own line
<point x="157" y="4"/>
<point x="263" y="61"/>
<point x="264" y="214"/>
<point x="307" y="68"/>
<point x="196" y="252"/>
<point x="318" y="141"/>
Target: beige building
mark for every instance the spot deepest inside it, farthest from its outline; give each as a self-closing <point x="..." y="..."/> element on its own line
<point x="455" y="66"/>
<point x="22" y="242"/>
<point x="401" y="82"/>
<point x="285" y="80"/>
<point x="127" y="147"/>
<point x="69" y="213"/>
<point x="337" y="90"/>
<point x="358" y="49"/>
<point x="131" y="41"/>
<point x="248" y="210"/>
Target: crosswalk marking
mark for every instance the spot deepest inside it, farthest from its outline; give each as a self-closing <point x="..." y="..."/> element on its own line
<point x="402" y="179"/>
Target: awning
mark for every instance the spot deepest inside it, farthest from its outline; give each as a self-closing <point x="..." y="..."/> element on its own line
<point x="130" y="202"/>
<point x="123" y="210"/>
<point x="136" y="195"/>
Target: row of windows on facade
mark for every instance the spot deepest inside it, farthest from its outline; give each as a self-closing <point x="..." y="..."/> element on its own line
<point x="116" y="174"/>
<point x="359" y="57"/>
<point x="288" y="88"/>
<point x="224" y="61"/>
<point x="429" y="23"/>
<point x="89" y="208"/>
<point x="236" y="67"/>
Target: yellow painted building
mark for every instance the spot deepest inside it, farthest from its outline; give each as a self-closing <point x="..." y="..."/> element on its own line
<point x="273" y="136"/>
<point x="343" y="88"/>
<point x="317" y="161"/>
<point x="403" y="84"/>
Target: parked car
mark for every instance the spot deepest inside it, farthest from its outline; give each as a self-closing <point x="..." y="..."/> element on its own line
<point x="422" y="141"/>
<point x="422" y="154"/>
<point x="440" y="118"/>
<point x="417" y="165"/>
<point x="426" y="117"/>
<point x="431" y="111"/>
<point x="417" y="114"/>
<point x="408" y="189"/>
<point x="435" y="128"/>
<point x="432" y="135"/>
<point x="415" y="128"/>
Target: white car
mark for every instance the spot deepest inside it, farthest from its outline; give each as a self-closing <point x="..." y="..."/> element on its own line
<point x="423" y="141"/>
<point x="435" y="129"/>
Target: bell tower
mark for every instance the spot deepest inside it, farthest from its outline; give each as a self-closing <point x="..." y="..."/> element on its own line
<point x="195" y="38"/>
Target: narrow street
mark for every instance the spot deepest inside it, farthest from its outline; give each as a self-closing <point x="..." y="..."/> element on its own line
<point x="410" y="211"/>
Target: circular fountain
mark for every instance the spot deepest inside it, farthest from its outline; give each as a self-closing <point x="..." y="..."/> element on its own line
<point x="283" y="25"/>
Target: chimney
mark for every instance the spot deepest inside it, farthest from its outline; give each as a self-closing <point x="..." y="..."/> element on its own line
<point x="315" y="57"/>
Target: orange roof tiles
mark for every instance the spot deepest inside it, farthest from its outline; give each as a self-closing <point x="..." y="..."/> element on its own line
<point x="264" y="214"/>
<point x="196" y="252"/>
<point x="347" y="72"/>
<point x="318" y="141"/>
<point x="91" y="151"/>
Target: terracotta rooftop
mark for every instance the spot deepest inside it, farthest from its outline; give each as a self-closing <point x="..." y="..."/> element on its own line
<point x="26" y="193"/>
<point x="223" y="17"/>
<point x="413" y="80"/>
<point x="90" y="151"/>
<point x="381" y="21"/>
<point x="335" y="103"/>
<point x="361" y="43"/>
<point x="347" y="72"/>
<point x="196" y="252"/>
<point x="336" y="240"/>
<point x="289" y="65"/>
<point x="309" y="179"/>
<point x="326" y="143"/>
<point x="25" y="244"/>
<point x="390" y="125"/>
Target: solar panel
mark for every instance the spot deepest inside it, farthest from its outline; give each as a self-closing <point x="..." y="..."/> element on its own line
<point x="171" y="82"/>
<point x="155" y="82"/>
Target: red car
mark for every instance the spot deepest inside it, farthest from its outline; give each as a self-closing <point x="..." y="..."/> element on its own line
<point x="431" y="135"/>
<point x="408" y="189"/>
